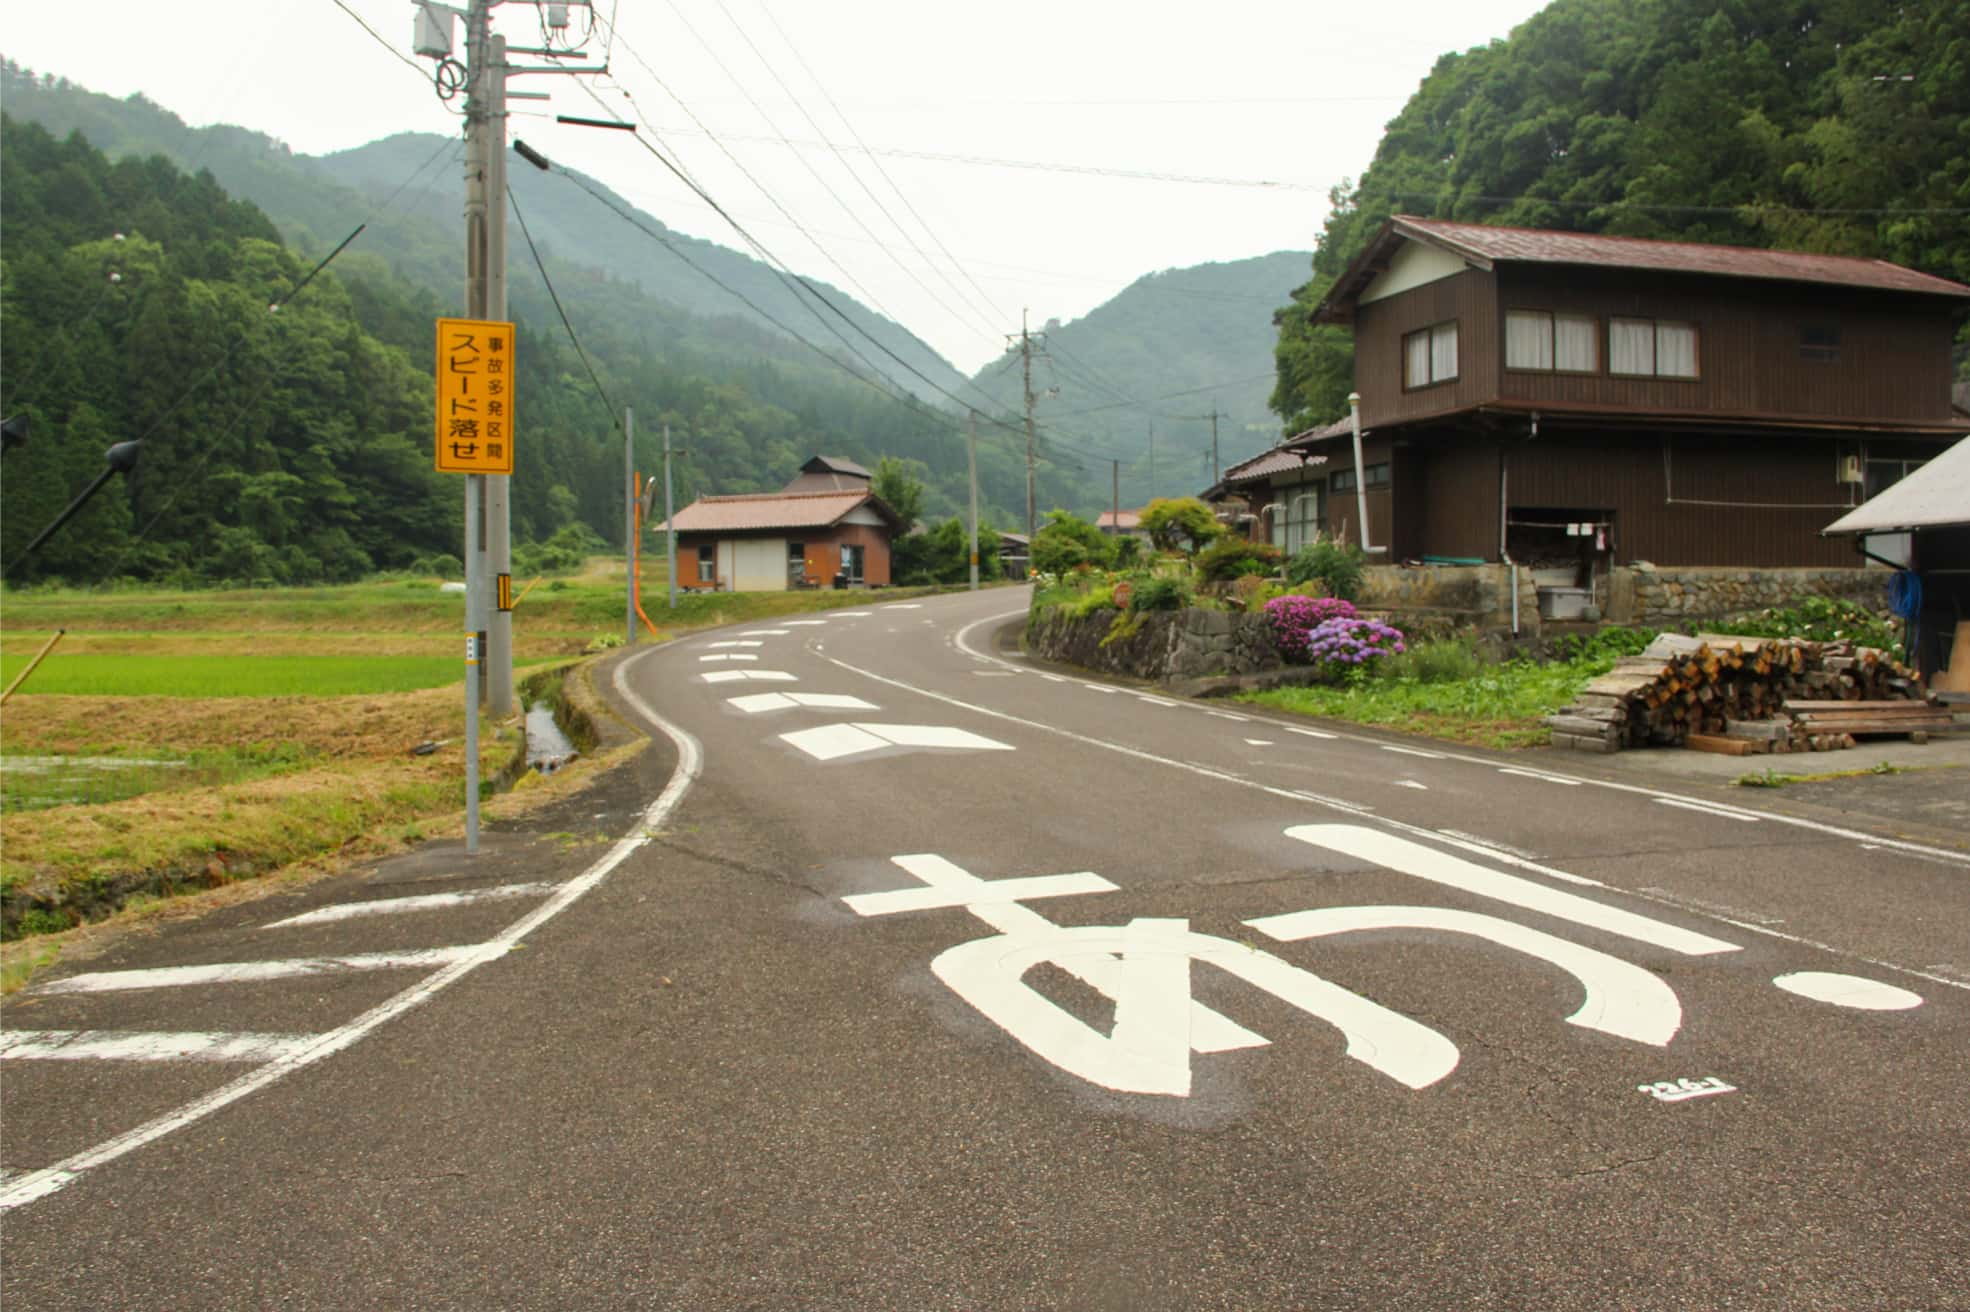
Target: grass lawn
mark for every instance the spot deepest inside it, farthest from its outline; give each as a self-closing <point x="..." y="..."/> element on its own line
<point x="1497" y="706"/>
<point x="175" y="739"/>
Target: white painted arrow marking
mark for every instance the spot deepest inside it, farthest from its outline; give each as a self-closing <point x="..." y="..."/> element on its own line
<point x="253" y="972"/>
<point x="1622" y="999"/>
<point x="786" y="701"/>
<point x="142" y="1045"/>
<point x="1411" y="858"/>
<point x="833" y="741"/>
<point x="426" y="902"/>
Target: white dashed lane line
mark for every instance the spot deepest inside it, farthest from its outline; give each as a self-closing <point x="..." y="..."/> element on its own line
<point x="401" y="905"/>
<point x="1414" y="751"/>
<point x="1543" y="778"/>
<point x="143" y="1045"/>
<point x="1701" y="809"/>
<point x="253" y="972"/>
<point x="765" y="676"/>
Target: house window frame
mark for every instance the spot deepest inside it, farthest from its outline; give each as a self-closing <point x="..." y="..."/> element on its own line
<point x="1376" y="475"/>
<point x="1341" y="480"/>
<point x="1553" y="318"/>
<point x="1656" y="325"/>
<point x="1430" y="331"/>
<point x="707" y="562"/>
<point x="854" y="562"/>
<point x="1824" y="351"/>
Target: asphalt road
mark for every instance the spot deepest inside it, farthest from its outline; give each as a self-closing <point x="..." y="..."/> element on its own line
<point x="1278" y="1015"/>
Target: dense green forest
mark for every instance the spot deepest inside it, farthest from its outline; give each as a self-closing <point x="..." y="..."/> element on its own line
<point x="1136" y="379"/>
<point x="1833" y="126"/>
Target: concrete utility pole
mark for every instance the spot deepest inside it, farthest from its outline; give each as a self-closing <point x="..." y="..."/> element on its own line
<point x="971" y="450"/>
<point x="629" y="542"/>
<point x="1115" y="491"/>
<point x="670" y="523"/>
<point x="1026" y="374"/>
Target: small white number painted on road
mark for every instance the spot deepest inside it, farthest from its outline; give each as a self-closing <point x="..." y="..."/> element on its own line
<point x="1684" y="1089"/>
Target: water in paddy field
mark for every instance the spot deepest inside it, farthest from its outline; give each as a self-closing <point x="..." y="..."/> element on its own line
<point x="33" y="782"/>
<point x="548" y="749"/>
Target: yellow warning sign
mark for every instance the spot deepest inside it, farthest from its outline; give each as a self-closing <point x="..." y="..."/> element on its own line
<point x="475" y="397"/>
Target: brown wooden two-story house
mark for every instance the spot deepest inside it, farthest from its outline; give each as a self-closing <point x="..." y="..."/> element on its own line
<point x="1557" y="398"/>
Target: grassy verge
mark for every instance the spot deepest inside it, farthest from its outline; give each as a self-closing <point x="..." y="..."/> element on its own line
<point x="233" y="734"/>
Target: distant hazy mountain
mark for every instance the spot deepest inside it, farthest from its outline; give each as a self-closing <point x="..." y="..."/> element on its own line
<point x="316" y="201"/>
<point x="1160" y="356"/>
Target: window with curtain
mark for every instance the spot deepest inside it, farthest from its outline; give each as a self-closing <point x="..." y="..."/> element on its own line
<point x="1302" y="520"/>
<point x="1430" y="355"/>
<point x="1542" y="340"/>
<point x="1652" y="348"/>
<point x="1376" y="475"/>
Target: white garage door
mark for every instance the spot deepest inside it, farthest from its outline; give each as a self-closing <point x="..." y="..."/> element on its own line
<point x="760" y="565"/>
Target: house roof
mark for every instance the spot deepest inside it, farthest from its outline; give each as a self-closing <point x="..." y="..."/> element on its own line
<point x="1288" y="457"/>
<point x="1484" y="246"/>
<point x="1933" y="496"/>
<point x="1122" y="520"/>
<point x="762" y="511"/>
<point x="834" y="465"/>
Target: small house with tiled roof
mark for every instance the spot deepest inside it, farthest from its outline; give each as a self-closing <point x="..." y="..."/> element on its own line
<point x="773" y="541"/>
<point x="830" y="474"/>
<point x="1574" y="401"/>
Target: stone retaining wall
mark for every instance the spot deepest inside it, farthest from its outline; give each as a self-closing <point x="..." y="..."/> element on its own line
<point x="1480" y="595"/>
<point x="1168" y="645"/>
<point x="1643" y="594"/>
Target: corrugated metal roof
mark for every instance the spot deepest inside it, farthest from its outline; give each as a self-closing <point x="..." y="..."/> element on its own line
<point x="768" y="510"/>
<point x="1484" y="242"/>
<point x="1936" y="495"/>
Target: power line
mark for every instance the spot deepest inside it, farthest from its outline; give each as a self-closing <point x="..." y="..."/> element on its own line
<point x="552" y="295"/>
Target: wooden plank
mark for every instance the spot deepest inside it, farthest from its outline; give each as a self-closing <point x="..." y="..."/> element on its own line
<point x="1758" y="730"/>
<point x="1705" y="742"/>
<point x="1895" y="704"/>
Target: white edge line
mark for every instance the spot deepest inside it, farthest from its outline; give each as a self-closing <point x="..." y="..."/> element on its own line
<point x="690" y="763"/>
<point x="1707" y="808"/>
<point x="1505" y="858"/>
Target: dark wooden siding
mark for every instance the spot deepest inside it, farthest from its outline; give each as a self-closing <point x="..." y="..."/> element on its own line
<point x="1459" y="499"/>
<point x="1893" y="360"/>
<point x="1469" y="298"/>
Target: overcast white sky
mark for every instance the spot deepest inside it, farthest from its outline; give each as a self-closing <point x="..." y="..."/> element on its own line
<point x="1293" y="92"/>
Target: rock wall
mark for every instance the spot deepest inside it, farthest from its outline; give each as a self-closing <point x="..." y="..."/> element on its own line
<point x="1479" y="595"/>
<point x="1166" y="645"/>
<point x="1643" y="594"/>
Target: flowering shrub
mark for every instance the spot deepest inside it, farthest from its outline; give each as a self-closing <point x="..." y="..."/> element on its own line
<point x="1294" y="618"/>
<point x="1345" y="644"/>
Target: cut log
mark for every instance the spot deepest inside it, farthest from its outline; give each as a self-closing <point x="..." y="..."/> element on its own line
<point x="1704" y="742"/>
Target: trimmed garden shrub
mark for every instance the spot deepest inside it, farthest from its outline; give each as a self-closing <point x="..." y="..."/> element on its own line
<point x="1336" y="566"/>
<point x="1234" y="557"/>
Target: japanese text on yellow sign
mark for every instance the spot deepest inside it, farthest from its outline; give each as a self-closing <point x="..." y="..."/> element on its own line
<point x="475" y="397"/>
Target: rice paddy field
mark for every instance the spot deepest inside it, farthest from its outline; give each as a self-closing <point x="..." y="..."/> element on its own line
<point x="175" y="740"/>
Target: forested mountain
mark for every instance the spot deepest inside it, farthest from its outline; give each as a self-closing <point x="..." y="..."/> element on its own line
<point x="1833" y="126"/>
<point x="348" y="435"/>
<point x="1136" y="378"/>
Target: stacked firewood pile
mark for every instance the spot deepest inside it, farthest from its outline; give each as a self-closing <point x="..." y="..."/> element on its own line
<point x="1722" y="693"/>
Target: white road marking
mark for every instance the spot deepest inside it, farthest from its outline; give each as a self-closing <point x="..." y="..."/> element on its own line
<point x="787" y="701"/>
<point x="1412" y="751"/>
<point x="1154" y="701"/>
<point x="1227" y="715"/>
<point x="994" y="674"/>
<point x="426" y="902"/>
<point x="831" y="742"/>
<point x="1410" y="858"/>
<point x="730" y="656"/>
<point x="1848" y="991"/>
<point x="253" y="972"/>
<point x="1622" y="998"/>
<point x="1684" y="1089"/>
<point x="1258" y="742"/>
<point x="903" y="605"/>
<point x="23" y="1188"/>
<point x="1411" y="783"/>
<point x="1544" y="778"/>
<point x="762" y="633"/>
<point x="1959" y="859"/>
<point x="1307" y="733"/>
<point x="808" y="624"/>
<point x="1053" y="678"/>
<point x="733" y="676"/>
<point x="842" y="615"/>
<point x="736" y="642"/>
<point x="947" y="884"/>
<point x="1149" y="1048"/>
<point x="1706" y="809"/>
<point x="1100" y="687"/>
<point x="1209" y="1030"/>
<point x="144" y="1045"/>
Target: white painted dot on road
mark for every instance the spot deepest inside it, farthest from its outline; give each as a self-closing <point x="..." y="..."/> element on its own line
<point x="730" y="656"/>
<point x="1411" y="783"/>
<point x="144" y="1045"/>
<point x="1534" y="774"/>
<point x="765" y="676"/>
<point x="1227" y="715"/>
<point x="734" y="642"/>
<point x="427" y="902"/>
<point x="1259" y="742"/>
<point x="1848" y="991"/>
<point x="787" y="701"/>
<point x="764" y="633"/>
<point x="1414" y="751"/>
<point x="1310" y="733"/>
<point x="833" y="741"/>
<point x="253" y="972"/>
